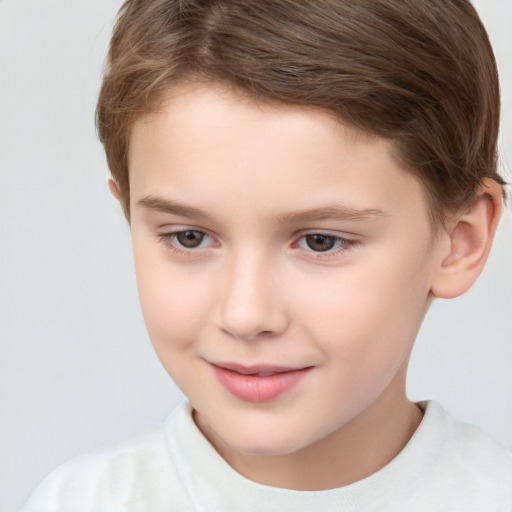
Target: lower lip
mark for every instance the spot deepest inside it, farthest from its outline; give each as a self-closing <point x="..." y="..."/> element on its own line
<point x="252" y="388"/>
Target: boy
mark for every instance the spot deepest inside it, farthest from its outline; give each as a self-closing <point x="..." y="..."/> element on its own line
<point x="301" y="180"/>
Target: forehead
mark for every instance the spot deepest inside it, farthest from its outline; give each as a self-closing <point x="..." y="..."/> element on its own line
<point x="212" y="143"/>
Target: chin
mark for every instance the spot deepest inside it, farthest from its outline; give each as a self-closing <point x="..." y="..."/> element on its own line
<point x="262" y="442"/>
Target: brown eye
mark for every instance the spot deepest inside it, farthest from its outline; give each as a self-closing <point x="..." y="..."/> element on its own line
<point x="189" y="239"/>
<point x="321" y="243"/>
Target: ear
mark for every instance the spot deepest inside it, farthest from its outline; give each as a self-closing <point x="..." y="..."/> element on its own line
<point x="114" y="189"/>
<point x="470" y="234"/>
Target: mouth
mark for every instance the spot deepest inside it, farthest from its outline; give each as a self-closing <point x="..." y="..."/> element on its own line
<point x="258" y="383"/>
<point x="260" y="369"/>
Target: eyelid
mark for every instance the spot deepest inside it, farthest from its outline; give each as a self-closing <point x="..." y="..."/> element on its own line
<point x="348" y="243"/>
<point x="168" y="239"/>
<point x="175" y="229"/>
<point x="349" y="237"/>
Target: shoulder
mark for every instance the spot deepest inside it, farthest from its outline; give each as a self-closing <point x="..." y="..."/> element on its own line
<point x="465" y="463"/>
<point x="138" y="470"/>
<point x="467" y="443"/>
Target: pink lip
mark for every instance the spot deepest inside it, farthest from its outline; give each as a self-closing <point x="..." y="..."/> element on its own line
<point x="255" y="368"/>
<point x="242" y="382"/>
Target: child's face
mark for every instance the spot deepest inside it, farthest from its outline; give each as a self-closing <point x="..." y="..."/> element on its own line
<point x="337" y="292"/>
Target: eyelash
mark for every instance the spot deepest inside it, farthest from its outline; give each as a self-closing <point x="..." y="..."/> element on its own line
<point x="169" y="241"/>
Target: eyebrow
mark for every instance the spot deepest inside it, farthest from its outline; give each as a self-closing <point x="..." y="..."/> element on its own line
<point x="330" y="212"/>
<point x="159" y="204"/>
<point x="334" y="212"/>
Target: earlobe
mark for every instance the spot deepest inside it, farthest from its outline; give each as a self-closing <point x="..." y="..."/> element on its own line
<point x="471" y="234"/>
<point x="114" y="189"/>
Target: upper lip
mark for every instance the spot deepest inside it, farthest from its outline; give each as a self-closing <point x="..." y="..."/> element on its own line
<point x="256" y="368"/>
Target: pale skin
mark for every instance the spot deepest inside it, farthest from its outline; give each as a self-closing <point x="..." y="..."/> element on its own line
<point x="259" y="288"/>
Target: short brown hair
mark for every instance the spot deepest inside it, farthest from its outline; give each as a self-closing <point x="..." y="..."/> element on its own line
<point x="419" y="73"/>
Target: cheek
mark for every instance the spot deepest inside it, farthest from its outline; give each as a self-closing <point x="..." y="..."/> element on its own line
<point x="368" y="316"/>
<point x="173" y="302"/>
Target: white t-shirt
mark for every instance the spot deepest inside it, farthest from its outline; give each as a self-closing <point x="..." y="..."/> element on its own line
<point x="446" y="466"/>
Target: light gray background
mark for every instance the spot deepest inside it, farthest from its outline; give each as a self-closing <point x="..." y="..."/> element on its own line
<point x="77" y="367"/>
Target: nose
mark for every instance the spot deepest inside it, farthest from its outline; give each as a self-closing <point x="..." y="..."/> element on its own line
<point x="250" y="306"/>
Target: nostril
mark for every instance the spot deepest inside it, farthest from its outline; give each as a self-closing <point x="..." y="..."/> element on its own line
<point x="245" y="335"/>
